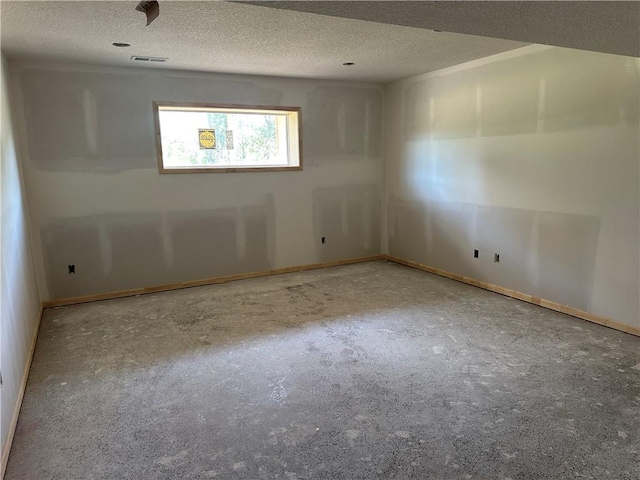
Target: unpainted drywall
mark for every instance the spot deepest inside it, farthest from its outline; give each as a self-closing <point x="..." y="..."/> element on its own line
<point x="542" y="250"/>
<point x="99" y="121"/>
<point x="19" y="297"/>
<point x="549" y="90"/>
<point x="99" y="203"/>
<point x="533" y="154"/>
<point x="118" y="248"/>
<point x="350" y="121"/>
<point x="348" y="217"/>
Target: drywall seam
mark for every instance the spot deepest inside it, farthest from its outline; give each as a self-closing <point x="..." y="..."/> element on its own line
<point x="203" y="282"/>
<point x="518" y="52"/>
<point x="6" y="448"/>
<point x="541" y="302"/>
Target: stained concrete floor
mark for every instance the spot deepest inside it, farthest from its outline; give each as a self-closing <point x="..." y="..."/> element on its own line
<point x="369" y="371"/>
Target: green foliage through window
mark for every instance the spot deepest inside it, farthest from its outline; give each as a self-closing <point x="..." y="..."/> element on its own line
<point x="252" y="138"/>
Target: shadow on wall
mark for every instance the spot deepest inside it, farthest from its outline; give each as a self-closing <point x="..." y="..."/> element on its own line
<point x="555" y="90"/>
<point x="550" y="255"/>
<point x="342" y="123"/>
<point x="124" y="251"/>
<point x="349" y="218"/>
<point x="103" y="122"/>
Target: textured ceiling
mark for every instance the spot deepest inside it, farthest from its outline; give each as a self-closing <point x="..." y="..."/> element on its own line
<point x="235" y="38"/>
<point x="606" y="26"/>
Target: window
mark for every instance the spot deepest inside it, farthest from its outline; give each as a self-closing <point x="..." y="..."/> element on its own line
<point x="194" y="138"/>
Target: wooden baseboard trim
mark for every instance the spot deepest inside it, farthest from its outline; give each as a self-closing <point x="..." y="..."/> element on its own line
<point x="558" y="307"/>
<point x="206" y="281"/>
<point x="6" y="448"/>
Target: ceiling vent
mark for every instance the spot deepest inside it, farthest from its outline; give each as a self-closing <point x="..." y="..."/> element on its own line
<point x="142" y="58"/>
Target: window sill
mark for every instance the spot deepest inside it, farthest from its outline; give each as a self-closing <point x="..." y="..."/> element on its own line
<point x="230" y="169"/>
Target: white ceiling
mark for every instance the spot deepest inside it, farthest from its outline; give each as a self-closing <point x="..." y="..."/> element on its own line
<point x="234" y="38"/>
<point x="601" y="26"/>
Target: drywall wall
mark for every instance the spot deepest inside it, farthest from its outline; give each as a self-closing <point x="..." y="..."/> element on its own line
<point x="98" y="202"/>
<point x="533" y="154"/>
<point x="19" y="298"/>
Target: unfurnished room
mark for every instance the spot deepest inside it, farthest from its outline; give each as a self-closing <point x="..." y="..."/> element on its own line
<point x="320" y="240"/>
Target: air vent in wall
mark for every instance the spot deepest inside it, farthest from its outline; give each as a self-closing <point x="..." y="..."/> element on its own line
<point x="141" y="58"/>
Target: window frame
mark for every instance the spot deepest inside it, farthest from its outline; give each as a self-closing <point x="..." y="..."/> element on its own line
<point x="157" y="105"/>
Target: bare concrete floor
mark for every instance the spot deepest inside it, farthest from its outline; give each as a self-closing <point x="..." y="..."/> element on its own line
<point x="359" y="372"/>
